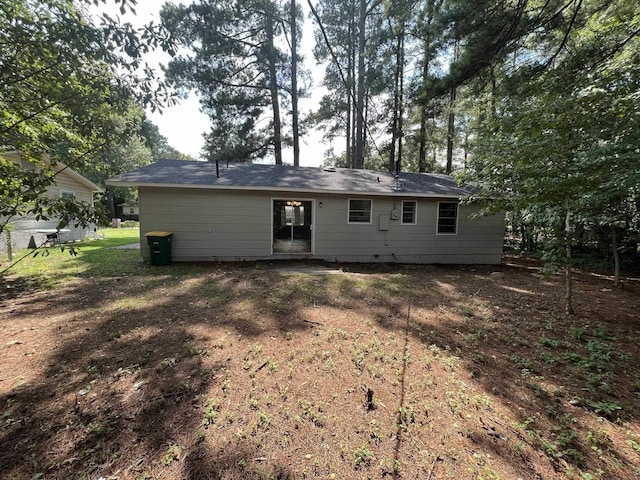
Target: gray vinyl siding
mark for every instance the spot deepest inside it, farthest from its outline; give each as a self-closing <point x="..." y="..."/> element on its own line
<point x="207" y="225"/>
<point x="477" y="241"/>
<point x="236" y="225"/>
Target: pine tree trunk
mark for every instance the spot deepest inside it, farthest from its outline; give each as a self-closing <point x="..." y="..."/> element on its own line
<point x="294" y="86"/>
<point x="494" y="86"/>
<point x="422" y="154"/>
<point x="451" y="121"/>
<point x="451" y="130"/>
<point x="401" y="102"/>
<point x="273" y="88"/>
<point x="112" y="206"/>
<point x="396" y="107"/>
<point x="349" y="92"/>
<point x="359" y="140"/>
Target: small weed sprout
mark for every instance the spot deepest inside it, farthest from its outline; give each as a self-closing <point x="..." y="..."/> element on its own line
<point x="449" y="362"/>
<point x="634" y="443"/>
<point x="362" y="457"/>
<point x="255" y="349"/>
<point x="358" y="354"/>
<point x="606" y="409"/>
<point x="212" y="411"/>
<point x="524" y="364"/>
<point x="284" y="393"/>
<point x="549" y="342"/>
<point x="406" y="416"/>
<point x="172" y="454"/>
<point x="273" y="367"/>
<point x="264" y="420"/>
<point x="579" y="332"/>
<point x="374" y="431"/>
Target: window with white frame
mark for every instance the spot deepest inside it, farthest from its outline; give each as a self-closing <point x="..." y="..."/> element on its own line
<point x="447" y="218"/>
<point x="68" y="194"/>
<point x="360" y="210"/>
<point x="409" y="210"/>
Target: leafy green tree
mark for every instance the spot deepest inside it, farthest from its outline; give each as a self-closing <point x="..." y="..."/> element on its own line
<point x="562" y="144"/>
<point x="61" y="100"/>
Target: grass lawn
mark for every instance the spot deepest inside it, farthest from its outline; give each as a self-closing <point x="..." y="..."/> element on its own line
<point x="113" y="368"/>
<point x="95" y="258"/>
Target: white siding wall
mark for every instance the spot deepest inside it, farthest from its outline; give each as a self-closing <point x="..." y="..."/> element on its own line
<point x="217" y="225"/>
<point x="66" y="182"/>
<point x="26" y="227"/>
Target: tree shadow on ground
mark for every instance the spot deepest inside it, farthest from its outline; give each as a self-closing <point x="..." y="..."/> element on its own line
<point x="133" y="362"/>
<point x="566" y="379"/>
<point x="125" y="363"/>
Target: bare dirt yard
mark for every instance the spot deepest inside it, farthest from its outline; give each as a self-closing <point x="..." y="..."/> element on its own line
<point x="247" y="371"/>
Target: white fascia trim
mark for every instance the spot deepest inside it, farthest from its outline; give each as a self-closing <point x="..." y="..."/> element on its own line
<point x="285" y="189"/>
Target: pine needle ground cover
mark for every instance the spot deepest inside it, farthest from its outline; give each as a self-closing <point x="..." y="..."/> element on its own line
<point x="113" y="368"/>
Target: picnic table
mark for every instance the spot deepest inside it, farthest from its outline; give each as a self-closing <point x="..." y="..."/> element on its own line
<point x="54" y="236"/>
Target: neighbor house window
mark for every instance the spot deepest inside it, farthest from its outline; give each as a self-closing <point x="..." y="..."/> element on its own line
<point x="360" y="211"/>
<point x="68" y="194"/>
<point x="447" y="217"/>
<point x="409" y="209"/>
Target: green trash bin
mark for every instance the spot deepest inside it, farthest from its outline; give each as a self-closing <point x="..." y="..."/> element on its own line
<point x="159" y="247"/>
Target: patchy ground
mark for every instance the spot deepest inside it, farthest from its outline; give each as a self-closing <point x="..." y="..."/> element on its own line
<point x="254" y="371"/>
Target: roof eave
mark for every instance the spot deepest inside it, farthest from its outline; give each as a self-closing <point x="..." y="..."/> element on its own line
<point x="390" y="193"/>
<point x="80" y="178"/>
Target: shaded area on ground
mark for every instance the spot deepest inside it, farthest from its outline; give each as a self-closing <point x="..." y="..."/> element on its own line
<point x="258" y="371"/>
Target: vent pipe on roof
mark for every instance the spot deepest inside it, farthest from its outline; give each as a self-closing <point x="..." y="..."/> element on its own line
<point x="397" y="184"/>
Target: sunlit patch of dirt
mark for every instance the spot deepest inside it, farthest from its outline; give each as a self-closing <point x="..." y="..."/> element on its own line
<point x="376" y="371"/>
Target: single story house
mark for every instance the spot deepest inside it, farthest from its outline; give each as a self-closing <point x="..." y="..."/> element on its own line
<point x="68" y="183"/>
<point x="130" y="210"/>
<point x="267" y="212"/>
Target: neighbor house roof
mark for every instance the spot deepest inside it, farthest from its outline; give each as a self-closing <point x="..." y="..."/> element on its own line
<point x="196" y="174"/>
<point x="58" y="168"/>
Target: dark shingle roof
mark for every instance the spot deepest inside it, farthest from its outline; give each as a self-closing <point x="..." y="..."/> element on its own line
<point x="194" y="174"/>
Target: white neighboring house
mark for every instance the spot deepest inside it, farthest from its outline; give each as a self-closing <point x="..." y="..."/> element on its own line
<point x="68" y="183"/>
<point x="130" y="210"/>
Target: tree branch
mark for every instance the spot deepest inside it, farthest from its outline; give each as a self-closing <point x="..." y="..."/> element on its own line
<point x="565" y="37"/>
